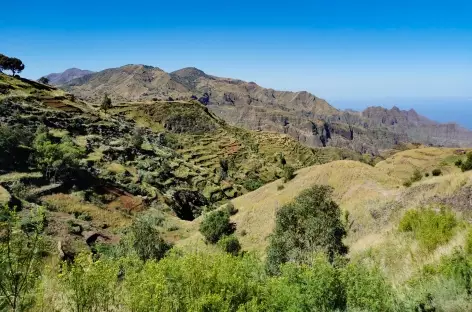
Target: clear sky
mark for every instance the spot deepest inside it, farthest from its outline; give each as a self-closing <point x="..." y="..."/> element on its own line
<point x="344" y="51"/>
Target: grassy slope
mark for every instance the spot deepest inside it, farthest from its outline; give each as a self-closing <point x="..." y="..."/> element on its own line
<point x="374" y="197"/>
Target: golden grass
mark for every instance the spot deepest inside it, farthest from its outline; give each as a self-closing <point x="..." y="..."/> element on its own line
<point x="71" y="204"/>
<point x="17" y="176"/>
<point x="374" y="197"/>
<point x="4" y="196"/>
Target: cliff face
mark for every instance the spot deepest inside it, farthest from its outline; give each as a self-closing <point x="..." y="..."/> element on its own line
<point x="302" y="115"/>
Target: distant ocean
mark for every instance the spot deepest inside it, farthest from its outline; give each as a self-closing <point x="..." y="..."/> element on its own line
<point x="458" y="110"/>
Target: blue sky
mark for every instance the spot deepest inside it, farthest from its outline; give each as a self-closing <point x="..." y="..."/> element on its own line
<point x="349" y="52"/>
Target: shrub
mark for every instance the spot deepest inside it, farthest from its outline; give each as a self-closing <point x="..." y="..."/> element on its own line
<point x="429" y="227"/>
<point x="458" y="163"/>
<point x="252" y="184"/>
<point x="56" y="160"/>
<point x="230" y="244"/>
<point x="289" y="173"/>
<point x="468" y="243"/>
<point x="417" y="176"/>
<point x="137" y="139"/>
<point x="13" y="144"/>
<point x="280" y="187"/>
<point x="106" y="103"/>
<point x="20" y="258"/>
<point x="312" y="222"/>
<point x="314" y="287"/>
<point x="426" y="174"/>
<point x="215" y="225"/>
<point x="147" y="241"/>
<point x="467" y="165"/>
<point x="436" y="172"/>
<point x="407" y="183"/>
<point x="90" y="285"/>
<point x="230" y="209"/>
<point x="366" y="289"/>
<point x="43" y="80"/>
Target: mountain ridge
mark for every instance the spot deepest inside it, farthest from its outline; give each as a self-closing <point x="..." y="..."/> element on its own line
<point x="302" y="115"/>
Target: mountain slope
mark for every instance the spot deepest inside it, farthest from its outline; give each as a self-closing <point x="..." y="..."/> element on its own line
<point x="67" y="75"/>
<point x="301" y="115"/>
<point x="173" y="155"/>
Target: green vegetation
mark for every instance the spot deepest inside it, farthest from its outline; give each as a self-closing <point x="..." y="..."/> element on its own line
<point x="436" y="172"/>
<point x="230" y="244"/>
<point x="417" y="176"/>
<point x="310" y="223"/>
<point x="106" y="103"/>
<point x="56" y="160"/>
<point x="147" y="241"/>
<point x="289" y="173"/>
<point x="11" y="63"/>
<point x="467" y="164"/>
<point x="215" y="225"/>
<point x="20" y="258"/>
<point x="43" y="80"/>
<point x="14" y="142"/>
<point x="429" y="227"/>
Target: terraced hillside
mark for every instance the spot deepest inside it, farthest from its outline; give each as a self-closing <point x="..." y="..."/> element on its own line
<point x="174" y="156"/>
<point x="374" y="199"/>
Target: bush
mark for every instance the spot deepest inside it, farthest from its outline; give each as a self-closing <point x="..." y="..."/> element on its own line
<point x="467" y="165"/>
<point x="289" y="173"/>
<point x="436" y="172"/>
<point x="280" y="187"/>
<point x="417" y="176"/>
<point x="147" y="241"/>
<point x="407" y="183"/>
<point x="312" y="222"/>
<point x="252" y="184"/>
<point x="230" y="209"/>
<point x="20" y="258"/>
<point x="56" y="160"/>
<point x="215" y="225"/>
<point x="468" y="243"/>
<point x="366" y="289"/>
<point x="458" y="163"/>
<point x="14" y="142"/>
<point x="230" y="244"/>
<point x="429" y="227"/>
<point x="314" y="287"/>
<point x="426" y="174"/>
<point x="90" y="285"/>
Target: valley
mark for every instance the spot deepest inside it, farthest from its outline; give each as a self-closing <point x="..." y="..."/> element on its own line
<point x="171" y="197"/>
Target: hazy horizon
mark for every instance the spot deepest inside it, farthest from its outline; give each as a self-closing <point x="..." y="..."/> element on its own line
<point x="343" y="51"/>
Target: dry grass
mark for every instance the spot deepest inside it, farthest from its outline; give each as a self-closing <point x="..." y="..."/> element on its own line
<point x="374" y="197"/>
<point x="70" y="204"/>
<point x="4" y="196"/>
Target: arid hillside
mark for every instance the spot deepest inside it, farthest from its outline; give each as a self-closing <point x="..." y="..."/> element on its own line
<point x="301" y="115"/>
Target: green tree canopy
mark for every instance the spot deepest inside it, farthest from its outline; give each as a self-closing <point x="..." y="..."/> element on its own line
<point x="307" y="225"/>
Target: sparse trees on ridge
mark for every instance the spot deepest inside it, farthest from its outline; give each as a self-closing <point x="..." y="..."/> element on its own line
<point x="13" y="64"/>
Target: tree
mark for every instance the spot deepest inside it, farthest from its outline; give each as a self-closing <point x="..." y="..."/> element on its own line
<point x="106" y="103"/>
<point x="14" y="142"/>
<point x="55" y="159"/>
<point x="20" y="257"/>
<point x="215" y="225"/>
<point x="147" y="241"/>
<point x="3" y="62"/>
<point x="43" y="80"/>
<point x="311" y="223"/>
<point x="13" y="64"/>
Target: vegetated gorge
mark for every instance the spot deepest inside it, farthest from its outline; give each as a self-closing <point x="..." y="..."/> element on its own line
<point x="132" y="189"/>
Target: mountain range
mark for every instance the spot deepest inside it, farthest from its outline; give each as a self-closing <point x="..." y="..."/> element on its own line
<point x="302" y="115"/>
